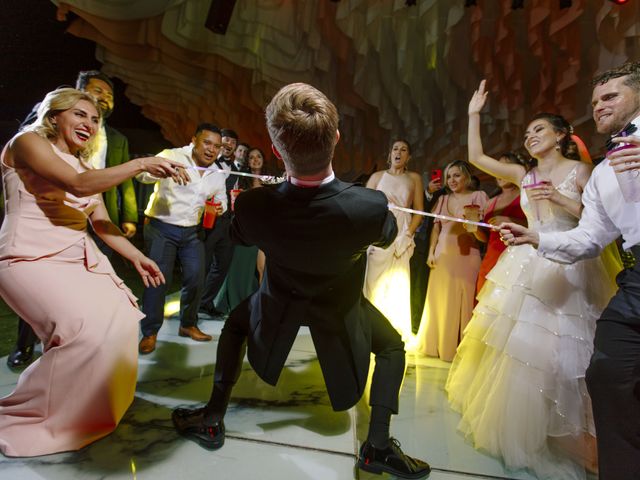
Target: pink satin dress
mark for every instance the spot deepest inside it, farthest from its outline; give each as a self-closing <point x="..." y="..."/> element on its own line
<point x="54" y="277"/>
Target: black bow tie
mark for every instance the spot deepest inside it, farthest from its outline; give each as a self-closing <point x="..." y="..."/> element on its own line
<point x="625" y="132"/>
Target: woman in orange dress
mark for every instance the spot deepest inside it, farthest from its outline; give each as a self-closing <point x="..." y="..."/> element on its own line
<point x="55" y="278"/>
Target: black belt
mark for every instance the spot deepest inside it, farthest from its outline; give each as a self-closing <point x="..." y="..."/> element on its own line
<point x="636" y="252"/>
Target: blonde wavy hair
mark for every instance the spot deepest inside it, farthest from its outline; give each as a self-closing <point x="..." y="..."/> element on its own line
<point x="57" y="101"/>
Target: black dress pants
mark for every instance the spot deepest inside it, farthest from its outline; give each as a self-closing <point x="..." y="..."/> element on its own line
<point x="386" y="345"/>
<point x="613" y="380"/>
<point x="218" y="253"/>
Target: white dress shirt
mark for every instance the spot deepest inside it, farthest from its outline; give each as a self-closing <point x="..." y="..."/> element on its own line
<point x="312" y="183"/>
<point x="183" y="205"/>
<point x="605" y="217"/>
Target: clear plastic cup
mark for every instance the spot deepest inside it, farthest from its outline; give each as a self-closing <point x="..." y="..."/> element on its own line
<point x="629" y="181"/>
<point x="541" y="208"/>
<point x="472" y="212"/>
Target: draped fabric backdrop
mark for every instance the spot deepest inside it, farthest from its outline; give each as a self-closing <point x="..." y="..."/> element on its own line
<point x="392" y="70"/>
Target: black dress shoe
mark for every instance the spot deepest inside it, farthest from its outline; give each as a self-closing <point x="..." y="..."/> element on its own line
<point x="391" y="460"/>
<point x="210" y="312"/>
<point x="190" y="424"/>
<point x="20" y="357"/>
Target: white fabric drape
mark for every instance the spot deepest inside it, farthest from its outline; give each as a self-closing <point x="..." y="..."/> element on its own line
<point x="393" y="71"/>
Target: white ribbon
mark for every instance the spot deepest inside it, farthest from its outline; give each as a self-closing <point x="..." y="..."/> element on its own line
<point x="273" y="179"/>
<point x="443" y="217"/>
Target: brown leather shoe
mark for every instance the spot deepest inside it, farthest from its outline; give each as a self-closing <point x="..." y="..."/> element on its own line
<point x="194" y="333"/>
<point x="147" y="344"/>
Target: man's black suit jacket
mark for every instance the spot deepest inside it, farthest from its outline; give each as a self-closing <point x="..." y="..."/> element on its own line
<point x="428" y="206"/>
<point x="315" y="241"/>
<point x="231" y="180"/>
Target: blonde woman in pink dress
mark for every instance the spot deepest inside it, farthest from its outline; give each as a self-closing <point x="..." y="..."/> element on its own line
<point x="53" y="275"/>
<point x="454" y="259"/>
<point x="387" y="281"/>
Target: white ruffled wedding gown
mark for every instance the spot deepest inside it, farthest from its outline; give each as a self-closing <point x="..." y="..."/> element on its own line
<point x="518" y="375"/>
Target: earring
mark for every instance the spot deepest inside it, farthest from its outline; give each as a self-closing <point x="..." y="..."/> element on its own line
<point x="558" y="145"/>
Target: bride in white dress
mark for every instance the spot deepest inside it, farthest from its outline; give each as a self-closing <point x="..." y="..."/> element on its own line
<point x="387" y="282"/>
<point x="518" y="375"/>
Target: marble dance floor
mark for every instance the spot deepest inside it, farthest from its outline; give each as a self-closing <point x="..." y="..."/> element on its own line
<point x="288" y="432"/>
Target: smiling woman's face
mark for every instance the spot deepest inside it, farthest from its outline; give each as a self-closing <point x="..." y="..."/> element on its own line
<point x="77" y="125"/>
<point x="457" y="181"/>
<point x="540" y="137"/>
<point x="255" y="159"/>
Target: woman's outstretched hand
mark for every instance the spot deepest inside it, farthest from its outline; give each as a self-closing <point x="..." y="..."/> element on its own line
<point x="479" y="99"/>
<point x="163" y="168"/>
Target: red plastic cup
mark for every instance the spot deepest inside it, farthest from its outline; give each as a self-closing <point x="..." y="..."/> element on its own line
<point x="210" y="213"/>
<point x="234" y="194"/>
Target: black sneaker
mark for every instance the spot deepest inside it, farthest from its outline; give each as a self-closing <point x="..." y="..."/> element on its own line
<point x="190" y="423"/>
<point x="211" y="312"/>
<point x="391" y="460"/>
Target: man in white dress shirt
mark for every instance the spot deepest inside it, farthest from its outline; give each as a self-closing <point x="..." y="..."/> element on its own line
<point x="613" y="376"/>
<point x="174" y="213"/>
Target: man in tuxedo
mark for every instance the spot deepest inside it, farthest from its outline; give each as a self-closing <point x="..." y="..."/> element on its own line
<point x="217" y="243"/>
<point x="315" y="231"/>
<point x="241" y="155"/>
<point x="613" y="376"/>
<point x="120" y="201"/>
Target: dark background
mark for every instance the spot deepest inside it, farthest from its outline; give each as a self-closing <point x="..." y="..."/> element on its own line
<point x="38" y="56"/>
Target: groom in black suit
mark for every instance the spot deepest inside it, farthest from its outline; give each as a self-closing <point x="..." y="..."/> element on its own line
<point x="314" y="230"/>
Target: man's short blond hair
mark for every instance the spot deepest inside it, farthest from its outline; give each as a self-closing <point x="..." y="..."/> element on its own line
<point x="302" y="124"/>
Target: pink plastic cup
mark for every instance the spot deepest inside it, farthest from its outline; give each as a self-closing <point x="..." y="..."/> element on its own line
<point x="541" y="208"/>
<point x="629" y="181"/>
